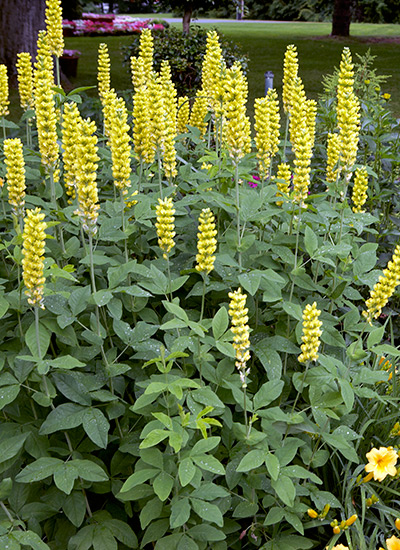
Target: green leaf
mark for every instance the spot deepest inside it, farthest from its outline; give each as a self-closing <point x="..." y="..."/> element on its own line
<point x="180" y="512"/>
<point x="65" y="362"/>
<point x="220" y="323"/>
<point x="150" y="511"/>
<point x="186" y="543"/>
<point x="285" y="489"/>
<point x="4" y="305"/>
<point x="90" y="471"/>
<point x="65" y="477"/>
<point x="122" y="532"/>
<point x="207" y="511"/>
<point x="250" y="281"/>
<point x="176" y="310"/>
<point x="79" y="299"/>
<point x="102" y="297"/>
<point x="226" y="348"/>
<point x="74" y="508"/>
<point x="163" y="485"/>
<point x="268" y="393"/>
<point x="270" y="359"/>
<point x="186" y="471"/>
<point x="294" y="310"/>
<point x="153" y="438"/>
<point x="310" y="241"/>
<point x="8" y="394"/>
<point x="44" y="340"/>
<point x="103" y="539"/>
<point x="29" y="538"/>
<point x="38" y="470"/>
<point x="209" y="463"/>
<point x="8" y="541"/>
<point x="206" y="533"/>
<point x="245" y="509"/>
<point x="139" y="477"/>
<point x="253" y="459"/>
<point x="83" y="539"/>
<point x="63" y="417"/>
<point x="273" y="466"/>
<point x="96" y="426"/>
<point x="375" y="337"/>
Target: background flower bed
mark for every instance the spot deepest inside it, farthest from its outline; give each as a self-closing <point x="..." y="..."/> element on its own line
<point x="96" y="25"/>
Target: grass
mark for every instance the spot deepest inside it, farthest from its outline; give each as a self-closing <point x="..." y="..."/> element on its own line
<point x="266" y="43"/>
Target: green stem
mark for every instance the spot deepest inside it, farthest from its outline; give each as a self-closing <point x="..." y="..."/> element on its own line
<point x="286" y="134"/>
<point x="36" y="309"/>
<point x="239" y="240"/>
<point x="169" y="280"/>
<point x="123" y="225"/>
<point x="58" y="79"/>
<point x="159" y="172"/>
<point x="203" y="297"/>
<point x="92" y="277"/>
<point x="246" y="420"/>
<point x="3" y="120"/>
<point x="7" y="513"/>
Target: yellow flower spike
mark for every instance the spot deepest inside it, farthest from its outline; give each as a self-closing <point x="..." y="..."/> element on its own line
<point x="54" y="27"/>
<point x="312" y="513"/>
<point x="120" y="146"/>
<point x="137" y="72"/>
<point x="397" y="523"/>
<point x="393" y="543"/>
<point x="346" y="73"/>
<point x="237" y="123"/>
<point x="213" y="70"/>
<point x="25" y="80"/>
<point x="290" y="71"/>
<point x="142" y="134"/>
<point x="298" y="112"/>
<point x="146" y="50"/>
<point x="168" y="95"/>
<point x="381" y="463"/>
<point x="157" y="110"/>
<point x="198" y="113"/>
<point x="4" y="102"/>
<point x="109" y="100"/>
<point x="165" y="225"/>
<point x="241" y="332"/>
<point x="332" y="152"/>
<point x="311" y="333"/>
<point x="43" y="52"/>
<point x="206" y="243"/>
<point x="103" y="71"/>
<point x="34" y="238"/>
<point x="384" y="288"/>
<point x="360" y="187"/>
<point x="267" y="129"/>
<point x="86" y="173"/>
<point x="70" y="130"/>
<point x="282" y="180"/>
<point x="46" y="116"/>
<point x="14" y="160"/>
<point x="302" y="163"/>
<point x="351" y="520"/>
<point x="311" y="116"/>
<point x="182" y="117"/>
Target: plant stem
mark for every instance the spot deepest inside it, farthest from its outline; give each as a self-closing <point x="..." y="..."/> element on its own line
<point x="123" y="225"/>
<point x="169" y="280"/>
<point x="58" y="79"/>
<point x="203" y="297"/>
<point x="36" y="310"/>
<point x="239" y="240"/>
<point x="159" y="172"/>
<point x="286" y="134"/>
<point x="7" y="513"/>
<point x="3" y="120"/>
<point x="92" y="277"/>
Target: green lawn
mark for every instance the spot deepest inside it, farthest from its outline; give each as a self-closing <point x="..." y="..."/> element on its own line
<point x="266" y="43"/>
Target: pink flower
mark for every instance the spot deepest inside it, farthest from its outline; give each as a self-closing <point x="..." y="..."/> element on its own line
<point x="253" y="184"/>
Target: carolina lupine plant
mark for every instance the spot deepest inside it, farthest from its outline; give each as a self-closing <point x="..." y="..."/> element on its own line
<point x="198" y="344"/>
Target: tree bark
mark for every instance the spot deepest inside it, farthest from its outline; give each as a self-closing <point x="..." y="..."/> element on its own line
<point x="187" y="16"/>
<point x="341" y="18"/>
<point x="20" y="22"/>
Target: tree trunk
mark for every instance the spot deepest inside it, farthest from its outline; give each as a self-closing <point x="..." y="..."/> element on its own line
<point x="341" y="18"/>
<point x="187" y="16"/>
<point x="20" y="22"/>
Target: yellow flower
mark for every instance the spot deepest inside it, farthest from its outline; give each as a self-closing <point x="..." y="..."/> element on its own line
<point x="386" y="96"/>
<point x="46" y="117"/>
<point x="237" y="123"/>
<point x="384" y="288"/>
<point x="137" y="72"/>
<point x="142" y="134"/>
<point x="43" y="51"/>
<point x="381" y="462"/>
<point x="311" y="115"/>
<point x="165" y="225"/>
<point x="4" y="102"/>
<point x="120" y="147"/>
<point x="312" y="513"/>
<point x="198" y="113"/>
<point x="70" y="130"/>
<point x="109" y="99"/>
<point x="168" y="95"/>
<point x="103" y="70"/>
<point x="14" y="160"/>
<point x="146" y="51"/>
<point x="393" y="543"/>
<point x="34" y="238"/>
<point x="207" y="243"/>
<point x="351" y="520"/>
<point x="54" y="27"/>
<point x="183" y="114"/>
<point x="213" y="69"/>
<point x="267" y="129"/>
<point x="360" y="187"/>
<point x="311" y="333"/>
<point x="340" y="547"/>
<point x="302" y="163"/>
<point x="86" y="172"/>
<point x="25" y="80"/>
<point x="367" y="82"/>
<point x="282" y="180"/>
<point x="241" y="332"/>
<point x="397" y="523"/>
<point x="332" y="152"/>
<point x="290" y="71"/>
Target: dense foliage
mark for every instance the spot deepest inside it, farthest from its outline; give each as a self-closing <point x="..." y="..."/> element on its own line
<point x="195" y="350"/>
